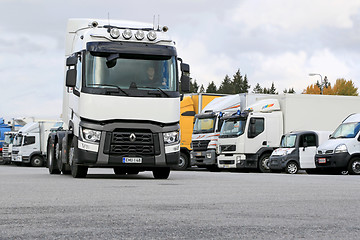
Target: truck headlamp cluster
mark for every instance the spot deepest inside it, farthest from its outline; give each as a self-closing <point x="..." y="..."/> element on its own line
<point x="91" y="135"/>
<point x="171" y="137"/>
<point x="341" y="149"/>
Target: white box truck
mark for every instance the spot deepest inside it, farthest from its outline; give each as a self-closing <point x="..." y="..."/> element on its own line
<point x="30" y="143"/>
<point x="207" y="127"/>
<point x="341" y="152"/>
<point x="121" y="100"/>
<point x="246" y="141"/>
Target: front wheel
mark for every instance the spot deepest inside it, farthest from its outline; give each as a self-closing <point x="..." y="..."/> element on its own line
<point x="292" y="168"/>
<point x="77" y="171"/>
<point x="264" y="163"/>
<point x="183" y="162"/>
<point x="51" y="161"/>
<point x="161" y="173"/>
<point x="354" y="166"/>
<point x="37" y="161"/>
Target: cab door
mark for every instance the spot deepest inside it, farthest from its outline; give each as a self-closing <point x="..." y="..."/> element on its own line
<point x="307" y="150"/>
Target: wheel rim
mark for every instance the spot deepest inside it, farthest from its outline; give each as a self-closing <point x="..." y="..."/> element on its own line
<point x="356" y="167"/>
<point x="181" y="162"/>
<point x="265" y="163"/>
<point x="292" y="168"/>
<point x="37" y="161"/>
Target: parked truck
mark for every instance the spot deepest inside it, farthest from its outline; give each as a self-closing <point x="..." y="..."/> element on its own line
<point x="207" y="127"/>
<point x="7" y="146"/>
<point x="189" y="106"/>
<point x="4" y="127"/>
<point x="121" y="101"/>
<point x="30" y="143"/>
<point x="297" y="151"/>
<point x="247" y="140"/>
<point x="341" y="152"/>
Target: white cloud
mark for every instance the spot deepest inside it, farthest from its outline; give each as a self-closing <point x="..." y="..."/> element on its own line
<point x="296" y="15"/>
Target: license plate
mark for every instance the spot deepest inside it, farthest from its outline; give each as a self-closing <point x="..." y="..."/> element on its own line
<point x="322" y="160"/>
<point x="132" y="160"/>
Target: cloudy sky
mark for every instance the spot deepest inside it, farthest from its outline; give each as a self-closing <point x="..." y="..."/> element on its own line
<point x="279" y="41"/>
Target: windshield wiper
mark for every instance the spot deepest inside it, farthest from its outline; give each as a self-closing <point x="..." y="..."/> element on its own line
<point x="110" y="85"/>
<point x="155" y="88"/>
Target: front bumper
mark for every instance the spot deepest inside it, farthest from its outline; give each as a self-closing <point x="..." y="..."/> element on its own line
<point x="115" y="146"/>
<point x="203" y="158"/>
<point x="338" y="160"/>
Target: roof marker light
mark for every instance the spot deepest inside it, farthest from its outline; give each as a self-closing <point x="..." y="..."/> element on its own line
<point x="114" y="33"/>
<point x="127" y="34"/>
<point x="139" y="35"/>
<point x="151" y="35"/>
<point x="238" y="112"/>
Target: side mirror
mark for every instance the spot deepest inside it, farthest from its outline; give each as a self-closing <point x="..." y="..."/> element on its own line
<point x="185" y="68"/>
<point x="71" y="61"/>
<point x="185" y="83"/>
<point x="71" y="78"/>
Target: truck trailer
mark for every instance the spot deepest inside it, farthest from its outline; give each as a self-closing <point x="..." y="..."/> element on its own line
<point x="121" y="100"/>
<point x="247" y="140"/>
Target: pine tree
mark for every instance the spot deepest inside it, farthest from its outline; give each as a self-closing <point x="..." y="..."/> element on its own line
<point x="193" y="86"/>
<point x="211" y="88"/>
<point x="226" y="86"/>
<point x="202" y="89"/>
<point x="257" y="89"/>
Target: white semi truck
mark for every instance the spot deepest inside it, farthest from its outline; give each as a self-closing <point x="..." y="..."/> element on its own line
<point x="121" y="101"/>
<point x="207" y="127"/>
<point x="30" y="143"/>
<point x="247" y="140"/>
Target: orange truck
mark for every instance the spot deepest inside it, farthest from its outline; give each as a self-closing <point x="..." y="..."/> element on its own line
<point x="190" y="105"/>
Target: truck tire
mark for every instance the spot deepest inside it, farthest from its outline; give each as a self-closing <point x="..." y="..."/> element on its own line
<point x="37" y="161"/>
<point x="183" y="162"/>
<point x="354" y="166"/>
<point x="292" y="168"/>
<point x="51" y="161"/>
<point x="161" y="173"/>
<point x="77" y="171"/>
<point x="264" y="163"/>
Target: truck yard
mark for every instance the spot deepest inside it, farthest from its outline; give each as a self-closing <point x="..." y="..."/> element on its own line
<point x="193" y="204"/>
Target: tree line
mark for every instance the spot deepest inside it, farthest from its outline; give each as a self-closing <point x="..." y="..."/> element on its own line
<point x="240" y="84"/>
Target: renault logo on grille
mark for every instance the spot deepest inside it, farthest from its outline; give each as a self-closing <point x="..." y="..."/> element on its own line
<point x="132" y="137"/>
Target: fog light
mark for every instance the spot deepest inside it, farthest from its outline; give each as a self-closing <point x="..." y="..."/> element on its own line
<point x="208" y="155"/>
<point x="127" y="34"/>
<point x="114" y="33"/>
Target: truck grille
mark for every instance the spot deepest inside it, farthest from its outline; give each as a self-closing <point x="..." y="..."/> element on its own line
<point x="228" y="148"/>
<point x="200" y="145"/>
<point x="133" y="143"/>
<point x="325" y="152"/>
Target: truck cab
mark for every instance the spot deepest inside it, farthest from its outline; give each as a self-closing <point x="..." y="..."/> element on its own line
<point x="248" y="138"/>
<point x="297" y="151"/>
<point x="341" y="152"/>
<point x="7" y="146"/>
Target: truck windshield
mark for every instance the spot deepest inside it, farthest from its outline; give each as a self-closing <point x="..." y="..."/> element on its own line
<point x="18" y="140"/>
<point x="233" y="127"/>
<point x="204" y="125"/>
<point x="131" y="72"/>
<point x="346" y="130"/>
<point x="288" y="141"/>
<point x="8" y="139"/>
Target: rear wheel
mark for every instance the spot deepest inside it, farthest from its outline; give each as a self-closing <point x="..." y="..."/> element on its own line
<point x="77" y="171"/>
<point x="161" y="173"/>
<point x="292" y="168"/>
<point x="51" y="161"/>
<point x="264" y="163"/>
<point x="354" y="166"/>
<point x="37" y="161"/>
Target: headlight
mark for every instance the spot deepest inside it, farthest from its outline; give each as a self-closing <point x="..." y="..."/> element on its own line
<point x="151" y="35"/>
<point x="91" y="135"/>
<point x="171" y="137"/>
<point x="341" y="148"/>
<point x="115" y="33"/>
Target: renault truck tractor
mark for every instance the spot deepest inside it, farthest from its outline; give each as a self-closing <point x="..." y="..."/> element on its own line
<point x="121" y="100"/>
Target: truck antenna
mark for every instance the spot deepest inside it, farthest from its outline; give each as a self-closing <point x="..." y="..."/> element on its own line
<point x="154" y="22"/>
<point x="109" y="18"/>
<point x="158" y="22"/>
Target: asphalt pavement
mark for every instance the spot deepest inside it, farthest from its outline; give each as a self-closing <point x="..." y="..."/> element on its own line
<point x="188" y="205"/>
